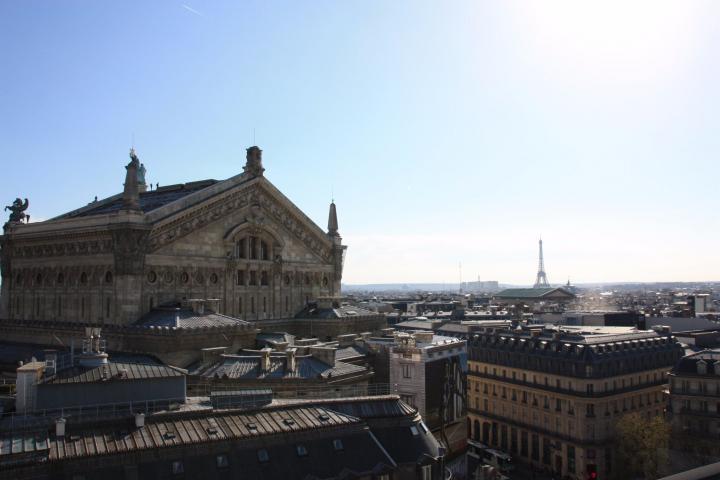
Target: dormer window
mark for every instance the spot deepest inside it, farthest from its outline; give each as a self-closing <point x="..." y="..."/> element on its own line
<point x="702" y="367"/>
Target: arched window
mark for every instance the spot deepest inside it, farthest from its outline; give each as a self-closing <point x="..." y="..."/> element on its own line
<point x="83" y="278"/>
<point x="60" y="278"/>
<point x="38" y="279"/>
<point x="108" y="278"/>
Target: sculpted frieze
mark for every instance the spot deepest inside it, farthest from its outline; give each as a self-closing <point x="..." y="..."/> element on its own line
<point x="64" y="248"/>
<point x="206" y="214"/>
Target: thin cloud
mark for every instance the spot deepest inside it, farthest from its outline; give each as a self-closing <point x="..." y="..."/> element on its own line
<point x="192" y="10"/>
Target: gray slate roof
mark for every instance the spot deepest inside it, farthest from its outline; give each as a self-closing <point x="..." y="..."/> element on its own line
<point x="186" y="318"/>
<point x="149" y="200"/>
<point x="531" y="293"/>
<point x="113" y="372"/>
<point x="248" y="367"/>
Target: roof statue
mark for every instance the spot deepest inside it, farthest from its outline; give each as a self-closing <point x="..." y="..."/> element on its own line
<point x="17" y="211"/>
<point x="131" y="195"/>
<point x="141" y="174"/>
<point x="253" y="164"/>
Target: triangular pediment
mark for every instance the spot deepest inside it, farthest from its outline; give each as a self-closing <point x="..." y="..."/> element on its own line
<point x="243" y="200"/>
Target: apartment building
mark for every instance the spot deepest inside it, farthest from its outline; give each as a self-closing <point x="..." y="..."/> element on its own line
<point x="550" y="396"/>
<point x="695" y="402"/>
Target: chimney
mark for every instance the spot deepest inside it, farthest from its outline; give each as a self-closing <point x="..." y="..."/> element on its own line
<point x="131" y="193"/>
<point x="50" y="362"/>
<point x="424" y="337"/>
<point x="346" y="340"/>
<point x="60" y="427"/>
<point x="324" y="354"/>
<point x="265" y="359"/>
<point x="139" y="420"/>
<point x="291" y="360"/>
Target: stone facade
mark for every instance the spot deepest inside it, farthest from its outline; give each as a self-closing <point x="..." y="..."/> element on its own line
<point x="239" y="240"/>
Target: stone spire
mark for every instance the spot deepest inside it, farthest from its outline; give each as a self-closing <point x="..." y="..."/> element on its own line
<point x="131" y="194"/>
<point x="333" y="221"/>
<point x="253" y="163"/>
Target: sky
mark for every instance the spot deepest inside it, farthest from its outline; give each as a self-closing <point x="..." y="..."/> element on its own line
<point x="449" y="133"/>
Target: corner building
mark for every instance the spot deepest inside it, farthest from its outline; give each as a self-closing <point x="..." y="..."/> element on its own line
<point x="551" y="397"/>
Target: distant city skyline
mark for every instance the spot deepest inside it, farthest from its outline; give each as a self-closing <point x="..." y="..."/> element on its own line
<point x="447" y="134"/>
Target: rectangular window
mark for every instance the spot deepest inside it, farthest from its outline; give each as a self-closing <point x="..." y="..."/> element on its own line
<point x="535" y="453"/>
<point x="590" y="388"/>
<point x="571" y="459"/>
<point x="253" y="248"/>
<point x="546" y="451"/>
<point x="253" y="277"/>
<point x="241" y="248"/>
<point x="524" y="443"/>
<point x="222" y="461"/>
<point x="590" y="410"/>
<point x="240" y="279"/>
<point x="240" y="311"/>
<point x="406" y="371"/>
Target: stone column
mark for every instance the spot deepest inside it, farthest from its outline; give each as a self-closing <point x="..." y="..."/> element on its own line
<point x="129" y="247"/>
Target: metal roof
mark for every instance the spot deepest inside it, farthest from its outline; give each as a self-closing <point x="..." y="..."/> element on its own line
<point x="531" y="293"/>
<point x="248" y="367"/>
<point x="113" y="371"/>
<point x="187" y="318"/>
<point x="149" y="200"/>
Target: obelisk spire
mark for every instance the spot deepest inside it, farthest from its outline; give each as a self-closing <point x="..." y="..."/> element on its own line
<point x="333" y="221"/>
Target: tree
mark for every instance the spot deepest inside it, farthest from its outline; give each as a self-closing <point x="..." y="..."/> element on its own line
<point x="641" y="446"/>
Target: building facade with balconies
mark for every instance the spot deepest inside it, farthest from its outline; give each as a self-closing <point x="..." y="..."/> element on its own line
<point x="695" y="402"/>
<point x="550" y="397"/>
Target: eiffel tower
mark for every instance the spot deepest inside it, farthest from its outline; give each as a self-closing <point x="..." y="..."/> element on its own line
<point x="541" y="281"/>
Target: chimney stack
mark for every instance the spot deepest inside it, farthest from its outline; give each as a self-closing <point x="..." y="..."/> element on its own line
<point x="60" y="427"/>
<point x="291" y="360"/>
<point x="265" y="359"/>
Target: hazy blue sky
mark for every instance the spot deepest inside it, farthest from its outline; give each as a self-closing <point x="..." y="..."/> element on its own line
<point x="450" y="131"/>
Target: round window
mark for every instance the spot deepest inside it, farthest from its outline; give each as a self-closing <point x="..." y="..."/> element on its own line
<point x="184" y="277"/>
<point x="152" y="276"/>
<point x="213" y="278"/>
